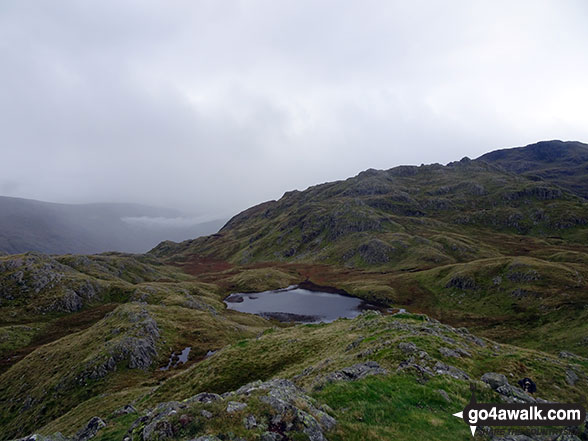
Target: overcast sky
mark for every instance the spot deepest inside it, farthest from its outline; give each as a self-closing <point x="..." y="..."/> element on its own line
<point x="213" y="106"/>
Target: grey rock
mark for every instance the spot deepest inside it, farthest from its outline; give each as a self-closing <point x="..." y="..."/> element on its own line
<point x="494" y="380"/>
<point x="566" y="354"/>
<point x="36" y="437"/>
<point x="125" y="410"/>
<point x="407" y="347"/>
<point x="158" y="430"/>
<point x="567" y="437"/>
<point x="513" y="438"/>
<point x="138" y="347"/>
<point x="326" y="421"/>
<point x="206" y="414"/>
<point x="445" y="369"/>
<point x="571" y="377"/>
<point x="444" y="395"/>
<point x="447" y="352"/>
<point x="250" y="422"/>
<point x="423" y="371"/>
<point x="353" y="344"/>
<point x="512" y="394"/>
<point x="461" y="282"/>
<point x="271" y="436"/>
<point x="204" y="397"/>
<point x="235" y="406"/>
<point x="356" y="372"/>
<point x="90" y="431"/>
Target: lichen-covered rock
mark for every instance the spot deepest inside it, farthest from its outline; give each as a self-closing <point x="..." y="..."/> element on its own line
<point x="445" y="369"/>
<point x="235" y="406"/>
<point x="494" y="380"/>
<point x="571" y="377"/>
<point x="509" y="394"/>
<point x="290" y="411"/>
<point x="204" y="397"/>
<point x="37" y="437"/>
<point x="137" y="346"/>
<point x="90" y="431"/>
<point x="356" y="372"/>
<point x="125" y="410"/>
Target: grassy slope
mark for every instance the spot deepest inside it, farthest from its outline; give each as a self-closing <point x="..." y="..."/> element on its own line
<point x="400" y="404"/>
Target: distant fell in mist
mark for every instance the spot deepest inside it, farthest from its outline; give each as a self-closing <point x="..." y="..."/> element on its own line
<point x="30" y="225"/>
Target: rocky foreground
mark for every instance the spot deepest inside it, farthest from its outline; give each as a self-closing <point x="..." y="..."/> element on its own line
<point x="436" y="360"/>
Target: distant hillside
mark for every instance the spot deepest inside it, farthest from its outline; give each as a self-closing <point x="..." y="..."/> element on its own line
<point x="413" y="217"/>
<point x="29" y="225"/>
<point x="563" y="163"/>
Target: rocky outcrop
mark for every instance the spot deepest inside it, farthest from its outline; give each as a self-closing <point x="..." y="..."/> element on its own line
<point x="509" y="393"/>
<point x="137" y="347"/>
<point x="55" y="287"/>
<point x="288" y="411"/>
<point x="86" y="433"/>
<point x="90" y="431"/>
<point x="356" y="372"/>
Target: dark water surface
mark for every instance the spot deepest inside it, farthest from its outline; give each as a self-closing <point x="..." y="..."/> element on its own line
<point x="295" y="304"/>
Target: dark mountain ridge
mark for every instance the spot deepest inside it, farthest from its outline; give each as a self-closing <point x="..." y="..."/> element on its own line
<point x="404" y="216"/>
<point x="560" y="162"/>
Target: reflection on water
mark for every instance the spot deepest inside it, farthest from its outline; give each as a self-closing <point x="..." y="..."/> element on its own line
<point x="295" y="304"/>
<point x="176" y="359"/>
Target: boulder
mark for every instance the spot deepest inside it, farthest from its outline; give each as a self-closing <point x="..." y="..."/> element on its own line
<point x="235" y="406"/>
<point x="90" y="431"/>
<point x="357" y="372"/>
<point x="494" y="380"/>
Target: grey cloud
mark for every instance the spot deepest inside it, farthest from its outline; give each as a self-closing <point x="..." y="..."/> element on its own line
<point x="215" y="106"/>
